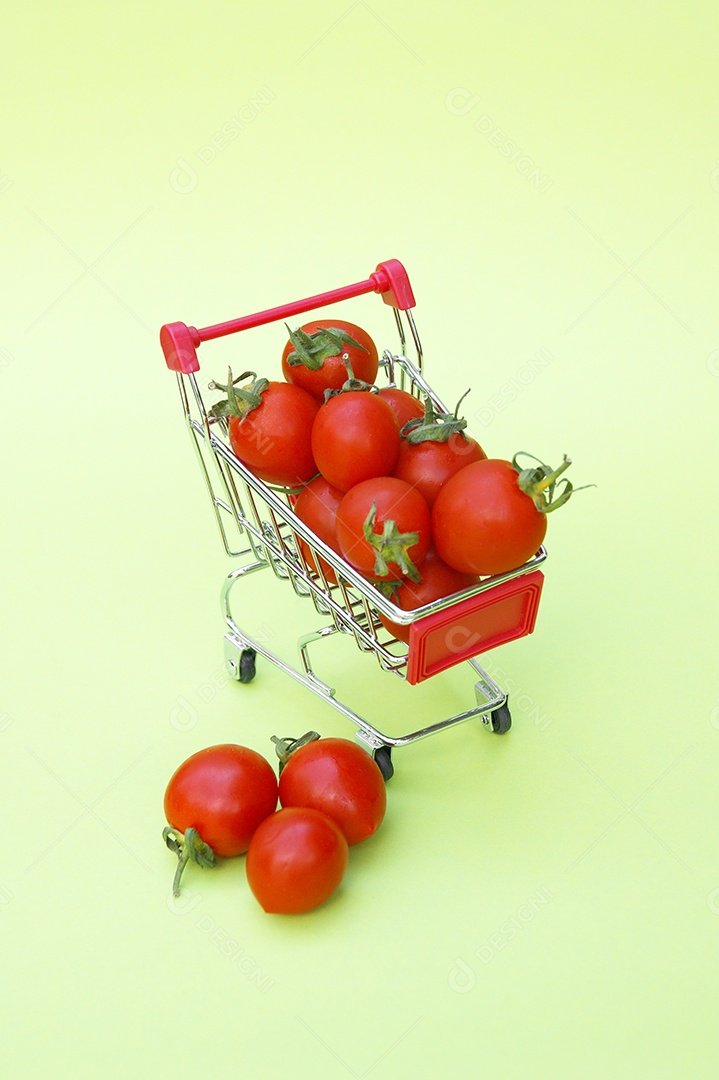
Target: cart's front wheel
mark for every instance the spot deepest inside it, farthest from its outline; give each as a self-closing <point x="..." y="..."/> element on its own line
<point x="383" y="757"/>
<point x="247" y="665"/>
<point x="501" y="720"/>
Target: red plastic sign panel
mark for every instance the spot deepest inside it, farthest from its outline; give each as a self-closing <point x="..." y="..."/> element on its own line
<point x="503" y="613"/>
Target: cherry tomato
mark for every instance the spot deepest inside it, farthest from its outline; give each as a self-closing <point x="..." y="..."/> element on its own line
<point x="339" y="778"/>
<point x="437" y="580"/>
<point x="406" y="407"/>
<point x="296" y="860"/>
<point x="317" y="506"/>
<point x="483" y="523"/>
<point x="214" y="802"/>
<point x="274" y="439"/>
<point x="332" y="373"/>
<point x="428" y="465"/>
<point x="388" y="554"/>
<point x="355" y="436"/>
<point x="223" y="792"/>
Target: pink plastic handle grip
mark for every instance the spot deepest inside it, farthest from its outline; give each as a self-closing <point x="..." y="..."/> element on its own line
<point x="180" y="342"/>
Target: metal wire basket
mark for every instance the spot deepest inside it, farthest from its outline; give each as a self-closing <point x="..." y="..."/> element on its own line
<point x="260" y="531"/>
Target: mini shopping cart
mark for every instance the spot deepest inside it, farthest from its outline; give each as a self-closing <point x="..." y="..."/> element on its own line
<point x="260" y="530"/>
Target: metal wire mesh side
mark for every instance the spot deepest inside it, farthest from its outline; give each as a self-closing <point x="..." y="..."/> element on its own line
<point x="275" y="538"/>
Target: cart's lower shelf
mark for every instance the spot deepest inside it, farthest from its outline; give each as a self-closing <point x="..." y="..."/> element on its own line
<point x="241" y="651"/>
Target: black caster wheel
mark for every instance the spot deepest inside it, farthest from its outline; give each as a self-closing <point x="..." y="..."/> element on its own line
<point x="383" y="757"/>
<point x="247" y="665"/>
<point x="501" y="720"/>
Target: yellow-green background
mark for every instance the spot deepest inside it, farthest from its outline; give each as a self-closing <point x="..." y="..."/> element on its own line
<point x="546" y="904"/>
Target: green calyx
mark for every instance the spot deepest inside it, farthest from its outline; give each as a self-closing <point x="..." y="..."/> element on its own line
<point x="285" y="748"/>
<point x="350" y="384"/>
<point x="434" y="426"/>
<point x="390" y="546"/>
<point x="540" y="483"/>
<point x="189" y="847"/>
<point x="388" y="589"/>
<point x="312" y="350"/>
<point x="240" y="400"/>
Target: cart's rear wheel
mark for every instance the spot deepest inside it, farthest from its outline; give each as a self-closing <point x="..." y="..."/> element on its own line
<point x="383" y="757"/>
<point x="247" y="665"/>
<point x="501" y="720"/>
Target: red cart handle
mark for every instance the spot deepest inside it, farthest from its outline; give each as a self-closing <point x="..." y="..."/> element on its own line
<point x="180" y="342"/>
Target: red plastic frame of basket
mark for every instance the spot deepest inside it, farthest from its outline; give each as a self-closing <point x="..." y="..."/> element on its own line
<point x="180" y="342"/>
<point x="503" y="613"/>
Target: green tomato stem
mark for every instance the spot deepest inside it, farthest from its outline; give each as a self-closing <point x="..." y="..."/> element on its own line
<point x="550" y="480"/>
<point x="540" y="483"/>
<point x="285" y="748"/>
<point x="311" y="350"/>
<point x="188" y="846"/>
<point x="433" y="426"/>
<point x="390" y="546"/>
<point x="241" y="400"/>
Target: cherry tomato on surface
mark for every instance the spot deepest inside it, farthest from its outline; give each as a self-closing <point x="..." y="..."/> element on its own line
<point x="339" y="778"/>
<point x="331" y="372"/>
<point x="428" y="465"/>
<point x="405" y="406"/>
<point x="296" y="860"/>
<point x="223" y="792"/>
<point x="214" y="802"/>
<point x="355" y="436"/>
<point x="482" y="521"/>
<point x="317" y="506"/>
<point x="398" y="522"/>
<point x="437" y="580"/>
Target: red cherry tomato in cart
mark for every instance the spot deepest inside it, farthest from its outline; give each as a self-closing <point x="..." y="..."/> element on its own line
<point x="270" y="428"/>
<point x="491" y="517"/>
<point x="328" y="369"/>
<point x="383" y="528"/>
<point x="406" y="407"/>
<point x="355" y="436"/>
<point x="317" y="506"/>
<point x="437" y="580"/>
<point x="296" y="860"/>
<point x="434" y="448"/>
<point x="429" y="465"/>
<point x="339" y="778"/>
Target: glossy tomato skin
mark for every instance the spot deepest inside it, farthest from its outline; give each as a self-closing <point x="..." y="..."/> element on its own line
<point x="355" y="436"/>
<point x="317" y="506"/>
<point x="395" y="501"/>
<point x="224" y="792"/>
<point x="333" y="373"/>
<point x="483" y="523"/>
<point x="437" y="581"/>
<point x="405" y="406"/>
<point x="274" y="440"/>
<point x="429" y="465"/>
<point x="296" y="860"/>
<point x="339" y="778"/>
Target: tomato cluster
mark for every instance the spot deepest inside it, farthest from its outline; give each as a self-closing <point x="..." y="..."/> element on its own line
<point x="222" y="801"/>
<point x="398" y="489"/>
<point x="412" y="503"/>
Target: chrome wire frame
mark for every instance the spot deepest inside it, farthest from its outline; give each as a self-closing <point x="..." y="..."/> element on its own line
<point x="257" y="525"/>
